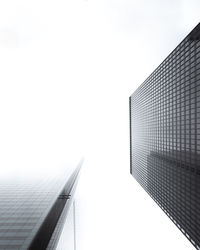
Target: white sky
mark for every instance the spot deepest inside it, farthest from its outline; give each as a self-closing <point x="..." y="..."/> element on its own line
<point x="67" y="70"/>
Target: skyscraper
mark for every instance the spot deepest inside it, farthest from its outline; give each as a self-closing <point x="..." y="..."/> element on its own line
<point x="165" y="136"/>
<point x="33" y="208"/>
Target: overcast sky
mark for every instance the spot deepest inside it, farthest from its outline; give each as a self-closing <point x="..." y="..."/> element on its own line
<point x="67" y="70"/>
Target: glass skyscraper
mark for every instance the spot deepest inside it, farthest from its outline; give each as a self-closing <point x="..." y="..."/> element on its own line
<point x="165" y="136"/>
<point x="33" y="208"/>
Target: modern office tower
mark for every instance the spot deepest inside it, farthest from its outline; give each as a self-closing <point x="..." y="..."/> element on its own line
<point x="34" y="206"/>
<point x="165" y="136"/>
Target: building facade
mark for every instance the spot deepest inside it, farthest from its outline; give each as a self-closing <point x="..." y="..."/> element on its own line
<point x="165" y="136"/>
<point x="33" y="209"/>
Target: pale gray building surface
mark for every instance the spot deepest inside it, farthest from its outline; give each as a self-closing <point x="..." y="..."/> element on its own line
<point x="33" y="208"/>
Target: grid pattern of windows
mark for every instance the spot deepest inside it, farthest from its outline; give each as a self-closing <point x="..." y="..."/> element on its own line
<point x="25" y="203"/>
<point x="165" y="136"/>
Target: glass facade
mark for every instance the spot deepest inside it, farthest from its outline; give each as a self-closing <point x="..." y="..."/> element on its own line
<point x="31" y="209"/>
<point x="165" y="136"/>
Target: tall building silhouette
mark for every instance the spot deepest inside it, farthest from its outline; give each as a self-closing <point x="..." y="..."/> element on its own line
<point x="165" y="136"/>
<point x="33" y="209"/>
